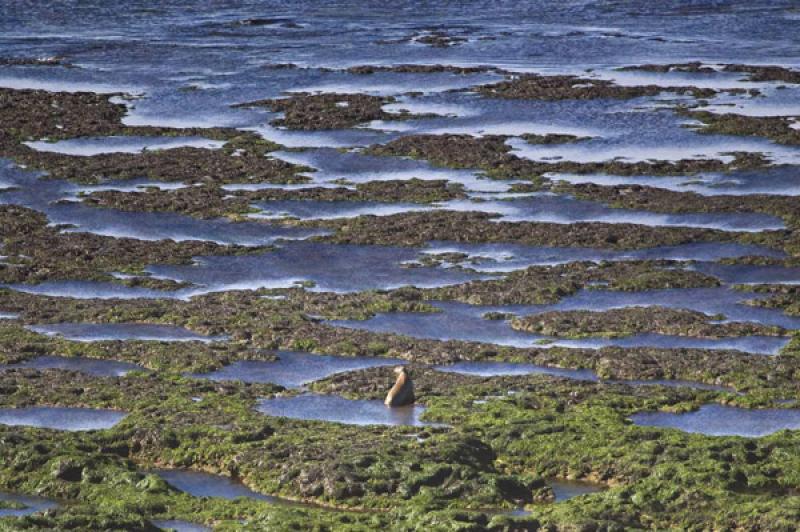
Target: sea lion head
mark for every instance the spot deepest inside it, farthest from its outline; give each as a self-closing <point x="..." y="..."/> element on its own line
<point x="400" y="370"/>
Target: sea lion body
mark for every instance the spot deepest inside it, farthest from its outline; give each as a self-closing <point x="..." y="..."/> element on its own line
<point x="402" y="393"/>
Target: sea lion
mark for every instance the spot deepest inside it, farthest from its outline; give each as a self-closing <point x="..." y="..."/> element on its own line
<point x="402" y="393"/>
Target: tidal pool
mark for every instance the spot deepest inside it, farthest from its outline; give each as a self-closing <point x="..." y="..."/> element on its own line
<point x="30" y="503"/>
<point x="121" y="144"/>
<point x="682" y="143"/>
<point x="546" y="208"/>
<point x="750" y="273"/>
<point x="46" y="195"/>
<point x="720" y="420"/>
<point x="506" y="257"/>
<point x="495" y="369"/>
<point x="711" y="301"/>
<point x="340" y="410"/>
<point x="96" y="332"/>
<point x="351" y="268"/>
<point x="90" y="366"/>
<point x="294" y="369"/>
<point x="356" y="167"/>
<point x="551" y="208"/>
<point x="61" y="418"/>
<point x="331" y="267"/>
<point x="459" y="321"/>
<point x="180" y="526"/>
<point x="328" y="210"/>
<point x="92" y="290"/>
<point x="567" y="489"/>
<point x="778" y="179"/>
<point x="200" y="484"/>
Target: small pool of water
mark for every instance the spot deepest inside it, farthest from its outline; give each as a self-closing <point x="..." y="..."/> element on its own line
<point x="328" y="210"/>
<point x="95" y="332"/>
<point x="459" y="321"/>
<point x="294" y="369"/>
<point x="31" y="504"/>
<point x="566" y="489"/>
<point x="90" y="366"/>
<point x="61" y="418"/>
<point x="506" y="257"/>
<point x="121" y="144"/>
<point x="180" y="526"/>
<point x="340" y="410"/>
<point x="551" y="208"/>
<point x="334" y="165"/>
<point x="496" y="369"/>
<point x="720" y="420"/>
<point x="779" y="179"/>
<point x="200" y="484"/>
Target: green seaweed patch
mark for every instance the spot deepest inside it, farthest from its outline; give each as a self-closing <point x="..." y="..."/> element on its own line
<point x="552" y="138"/>
<point x="212" y="201"/>
<point x="548" y="284"/>
<point x="775" y="128"/>
<point x="306" y="111"/>
<point x="491" y="154"/>
<point x="243" y="159"/>
<point x="564" y="87"/>
<point x="419" y="228"/>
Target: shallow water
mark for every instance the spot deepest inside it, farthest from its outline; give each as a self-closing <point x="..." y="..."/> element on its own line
<point x="200" y="484"/>
<point x="328" y="210"/>
<point x="506" y="257"/>
<point x="459" y="321"/>
<point x="127" y="185"/>
<point x="32" y="504"/>
<point x="567" y="489"/>
<point x="44" y="195"/>
<point x="351" y="268"/>
<point x="336" y="268"/>
<point x="565" y="210"/>
<point x="494" y="369"/>
<point x="711" y="301"/>
<point x="90" y="366"/>
<point x="340" y="410"/>
<point x="61" y="418"/>
<point x="294" y="369"/>
<point x="781" y="180"/>
<point x="534" y="208"/>
<point x="180" y="526"/>
<point x="750" y="274"/>
<point x="686" y="146"/>
<point x="354" y="167"/>
<point x="96" y="332"/>
<point x="719" y="420"/>
<point x="131" y="144"/>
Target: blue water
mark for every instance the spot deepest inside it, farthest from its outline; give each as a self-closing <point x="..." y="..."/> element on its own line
<point x="294" y="369"/>
<point x="719" y="420"/>
<point x="340" y="410"/>
<point x="61" y="418"/>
